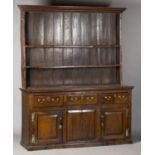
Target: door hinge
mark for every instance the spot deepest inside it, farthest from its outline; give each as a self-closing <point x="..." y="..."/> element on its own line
<point x="33" y="140"/>
<point x="102" y="124"/>
<point x="33" y="116"/>
<point x="127" y="132"/>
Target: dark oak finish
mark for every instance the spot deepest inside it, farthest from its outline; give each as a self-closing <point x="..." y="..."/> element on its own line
<point x="39" y="8"/>
<point x="47" y="127"/>
<point x="72" y="46"/>
<point x="71" y="77"/>
<point x="65" y="118"/>
<point x="113" y="124"/>
<point x="63" y="67"/>
<point x="48" y="100"/>
<point x="81" y="125"/>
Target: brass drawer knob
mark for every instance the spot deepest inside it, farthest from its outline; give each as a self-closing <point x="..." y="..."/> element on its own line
<point x="73" y="98"/>
<point x="88" y="98"/>
<point x="52" y="99"/>
<point x="92" y="98"/>
<point x="105" y="97"/>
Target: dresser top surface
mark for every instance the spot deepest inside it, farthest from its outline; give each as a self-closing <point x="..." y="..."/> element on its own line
<point x="76" y="88"/>
<point x="70" y="8"/>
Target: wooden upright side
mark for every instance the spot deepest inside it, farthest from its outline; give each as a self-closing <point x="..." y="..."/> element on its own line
<point x="23" y="54"/>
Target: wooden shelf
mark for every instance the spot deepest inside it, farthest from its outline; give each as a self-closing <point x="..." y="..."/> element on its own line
<point x="67" y="67"/>
<point x="73" y="46"/>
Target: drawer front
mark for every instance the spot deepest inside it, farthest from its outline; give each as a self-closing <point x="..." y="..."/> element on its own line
<point x="121" y="98"/>
<point x="48" y="100"/>
<point x="107" y="98"/>
<point x="114" y="98"/>
<point x="81" y="99"/>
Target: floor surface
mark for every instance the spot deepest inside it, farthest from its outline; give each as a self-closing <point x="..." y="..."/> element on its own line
<point x="125" y="149"/>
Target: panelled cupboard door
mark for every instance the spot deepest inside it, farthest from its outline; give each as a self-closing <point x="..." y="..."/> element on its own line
<point x="81" y="125"/>
<point x="47" y="127"/>
<point x="114" y="124"/>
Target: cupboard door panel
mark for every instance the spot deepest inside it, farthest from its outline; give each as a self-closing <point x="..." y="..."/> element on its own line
<point x="81" y="125"/>
<point x="113" y="124"/>
<point x="88" y="125"/>
<point x="73" y="126"/>
<point x="48" y="127"/>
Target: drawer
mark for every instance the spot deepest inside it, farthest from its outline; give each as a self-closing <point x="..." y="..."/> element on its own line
<point x="48" y="100"/>
<point x="107" y="98"/>
<point x="122" y="98"/>
<point x="114" y="98"/>
<point x="81" y="99"/>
